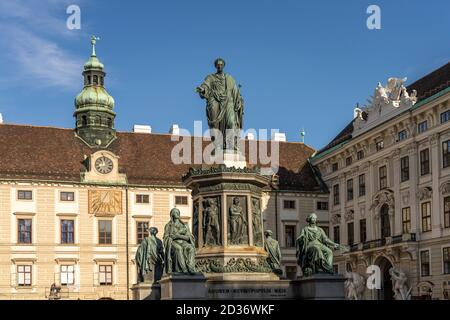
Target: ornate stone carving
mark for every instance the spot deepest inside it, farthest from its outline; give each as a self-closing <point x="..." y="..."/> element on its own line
<point x="354" y="286"/>
<point x="237" y="221"/>
<point x="349" y="215"/>
<point x="233" y="265"/>
<point x="399" y="284"/>
<point x="385" y="196"/>
<point x="434" y="139"/>
<point x="405" y="198"/>
<point x="424" y="193"/>
<point x="257" y="223"/>
<point x="336" y="218"/>
<point x="362" y="211"/>
<point x="211" y="221"/>
<point x="385" y="100"/>
<point x="445" y="187"/>
<point x="220" y="169"/>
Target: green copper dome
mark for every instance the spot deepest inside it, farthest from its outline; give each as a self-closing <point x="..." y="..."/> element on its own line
<point x="93" y="63"/>
<point x="95" y="97"/>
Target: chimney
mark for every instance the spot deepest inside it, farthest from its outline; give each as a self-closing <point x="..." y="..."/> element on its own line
<point x="174" y="130"/>
<point x="279" y="136"/>
<point x="142" y="129"/>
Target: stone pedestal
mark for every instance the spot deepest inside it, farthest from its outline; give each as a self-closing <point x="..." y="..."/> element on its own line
<point x="183" y="287"/>
<point x="146" y="291"/>
<point x="319" y="287"/>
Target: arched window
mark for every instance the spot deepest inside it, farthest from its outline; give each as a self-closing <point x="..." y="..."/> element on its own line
<point x="101" y="81"/>
<point x="84" y="121"/>
<point x="385" y="223"/>
<point x="96" y="79"/>
<point x="89" y="79"/>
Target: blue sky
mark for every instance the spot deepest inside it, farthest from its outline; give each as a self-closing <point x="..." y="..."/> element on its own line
<point x="300" y="63"/>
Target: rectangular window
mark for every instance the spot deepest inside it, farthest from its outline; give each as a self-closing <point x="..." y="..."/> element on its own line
<point x="336" y="234"/>
<point x="422" y="126"/>
<point x="336" y="194"/>
<point x="291" y="272"/>
<point x="402" y="135"/>
<point x="181" y="200"/>
<point x="362" y="185"/>
<point x="362" y="231"/>
<point x="379" y="145"/>
<point x="142" y="231"/>
<point x="350" y="233"/>
<point x="348" y="161"/>
<point x="349" y="189"/>
<point x="446" y="154"/>
<point x="404" y="169"/>
<point x="66" y="196"/>
<point x="25" y="195"/>
<point x="426" y="216"/>
<point x="425" y="263"/>
<point x="334" y="167"/>
<point x="383" y="177"/>
<point x="360" y="155"/>
<point x="322" y="205"/>
<point x="24" y="275"/>
<point x="142" y="198"/>
<point x="289" y="236"/>
<point x="67" y="275"/>
<point x="24" y="231"/>
<point x="445" y="116"/>
<point x="446" y="259"/>
<point x="67" y="231"/>
<point x="406" y="220"/>
<point x="289" y="204"/>
<point x="105" y="232"/>
<point x="424" y="162"/>
<point x="105" y="275"/>
<point x="447" y="212"/>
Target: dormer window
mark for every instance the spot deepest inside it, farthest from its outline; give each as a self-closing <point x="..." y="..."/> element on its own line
<point x="402" y="135"/>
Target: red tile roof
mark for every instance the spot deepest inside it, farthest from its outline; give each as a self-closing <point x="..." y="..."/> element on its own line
<point x="47" y="153"/>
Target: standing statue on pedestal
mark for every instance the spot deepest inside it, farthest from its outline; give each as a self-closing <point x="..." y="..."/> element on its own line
<point x="256" y="223"/>
<point x="224" y="106"/>
<point x="211" y="223"/>
<point x="314" y="249"/>
<point x="273" y="249"/>
<point x="238" y="224"/>
<point x="150" y="257"/>
<point x="179" y="244"/>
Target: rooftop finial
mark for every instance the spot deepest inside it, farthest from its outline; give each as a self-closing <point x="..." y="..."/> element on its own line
<point x="94" y="41"/>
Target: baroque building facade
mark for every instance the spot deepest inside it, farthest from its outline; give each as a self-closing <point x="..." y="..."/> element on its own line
<point x="75" y="203"/>
<point x="388" y="173"/>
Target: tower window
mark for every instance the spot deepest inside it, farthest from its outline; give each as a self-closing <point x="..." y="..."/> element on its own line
<point x="101" y="81"/>
<point x="89" y="79"/>
<point x="96" y="80"/>
<point x="84" y="121"/>
<point x="109" y="123"/>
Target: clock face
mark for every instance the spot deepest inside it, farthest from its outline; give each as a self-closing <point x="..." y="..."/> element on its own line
<point x="104" y="165"/>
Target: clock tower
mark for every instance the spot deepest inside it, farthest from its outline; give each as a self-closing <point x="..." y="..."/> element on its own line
<point x="94" y="115"/>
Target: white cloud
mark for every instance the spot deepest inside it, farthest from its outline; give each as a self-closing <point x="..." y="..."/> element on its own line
<point x="30" y="46"/>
